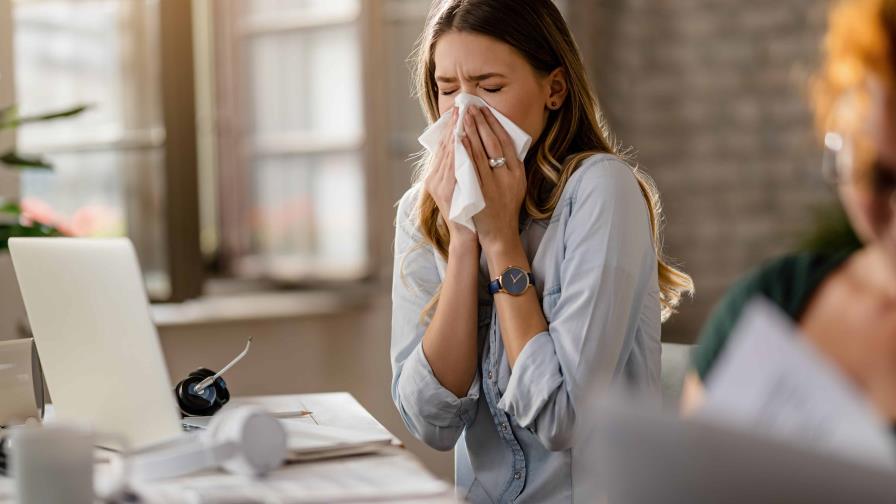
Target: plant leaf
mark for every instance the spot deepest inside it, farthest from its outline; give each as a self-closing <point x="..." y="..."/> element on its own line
<point x="8" y="231"/>
<point x="15" y="160"/>
<point x="10" y="207"/>
<point x="9" y="117"/>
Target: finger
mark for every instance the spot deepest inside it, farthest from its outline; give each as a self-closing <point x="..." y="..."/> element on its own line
<point x="478" y="154"/>
<point x="446" y="135"/>
<point x="466" y="143"/>
<point x="446" y="145"/>
<point x="507" y="146"/>
<point x="452" y="177"/>
<point x="443" y="145"/>
<point x="435" y="165"/>
<point x="479" y="157"/>
<point x="489" y="139"/>
<point x="448" y="167"/>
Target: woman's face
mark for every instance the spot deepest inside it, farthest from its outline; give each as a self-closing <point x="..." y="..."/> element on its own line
<point x="870" y="202"/>
<point x="497" y="73"/>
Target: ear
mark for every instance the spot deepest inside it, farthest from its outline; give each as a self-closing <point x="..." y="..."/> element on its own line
<point x="556" y="88"/>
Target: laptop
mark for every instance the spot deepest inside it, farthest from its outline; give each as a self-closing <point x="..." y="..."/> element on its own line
<point x="98" y="346"/>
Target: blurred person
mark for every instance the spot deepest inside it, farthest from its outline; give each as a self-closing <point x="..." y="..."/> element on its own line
<point x="499" y="376"/>
<point x="844" y="302"/>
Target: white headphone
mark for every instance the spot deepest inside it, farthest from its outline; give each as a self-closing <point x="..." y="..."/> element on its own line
<point x="245" y="440"/>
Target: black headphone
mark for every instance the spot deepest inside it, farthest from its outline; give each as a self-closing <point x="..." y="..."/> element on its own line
<point x="204" y="392"/>
<point x="204" y="403"/>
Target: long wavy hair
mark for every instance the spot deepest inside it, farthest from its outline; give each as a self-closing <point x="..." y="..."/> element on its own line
<point x="574" y="132"/>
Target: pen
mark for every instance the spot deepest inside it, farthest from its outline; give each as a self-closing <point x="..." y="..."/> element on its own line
<point x="293" y="414"/>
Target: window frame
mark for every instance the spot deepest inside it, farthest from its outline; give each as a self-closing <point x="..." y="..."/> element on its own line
<point x="9" y="180"/>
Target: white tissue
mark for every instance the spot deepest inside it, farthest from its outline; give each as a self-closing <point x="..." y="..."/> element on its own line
<point x="467" y="200"/>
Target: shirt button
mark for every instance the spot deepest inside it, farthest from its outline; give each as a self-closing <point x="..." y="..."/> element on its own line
<point x="504" y="427"/>
<point x="517" y="475"/>
<point x="491" y="376"/>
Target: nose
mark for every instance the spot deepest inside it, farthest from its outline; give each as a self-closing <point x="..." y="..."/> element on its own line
<point x="469" y="88"/>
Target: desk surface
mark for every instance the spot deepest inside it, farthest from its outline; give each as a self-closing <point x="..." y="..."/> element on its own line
<point x="392" y="474"/>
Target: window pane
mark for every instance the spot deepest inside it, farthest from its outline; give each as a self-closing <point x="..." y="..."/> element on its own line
<point x="85" y="52"/>
<point x="106" y="193"/>
<point x="309" y="215"/>
<point x="307" y="80"/>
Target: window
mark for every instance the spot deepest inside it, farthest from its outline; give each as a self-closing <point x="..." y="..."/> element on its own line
<point x="113" y="164"/>
<point x="292" y="88"/>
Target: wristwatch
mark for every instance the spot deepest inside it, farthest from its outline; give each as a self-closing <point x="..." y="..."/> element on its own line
<point x="513" y="280"/>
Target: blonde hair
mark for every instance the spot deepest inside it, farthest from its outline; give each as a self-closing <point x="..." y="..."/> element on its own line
<point x="573" y="133"/>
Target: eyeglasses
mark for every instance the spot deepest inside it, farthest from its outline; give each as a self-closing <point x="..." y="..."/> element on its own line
<point x="838" y="168"/>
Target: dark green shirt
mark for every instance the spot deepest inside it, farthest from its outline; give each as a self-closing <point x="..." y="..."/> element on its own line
<point x="788" y="282"/>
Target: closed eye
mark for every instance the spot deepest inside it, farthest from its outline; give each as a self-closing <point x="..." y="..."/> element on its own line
<point x="492" y="90"/>
<point x="447" y="93"/>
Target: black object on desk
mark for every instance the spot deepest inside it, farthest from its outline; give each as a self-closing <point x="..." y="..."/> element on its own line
<point x="204" y="392"/>
<point x="205" y="402"/>
<point x="3" y="456"/>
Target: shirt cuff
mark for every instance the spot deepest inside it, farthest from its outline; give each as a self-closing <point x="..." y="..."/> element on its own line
<point x="422" y="392"/>
<point x="533" y="381"/>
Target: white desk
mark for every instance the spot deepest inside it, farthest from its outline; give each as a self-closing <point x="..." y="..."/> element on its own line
<point x="389" y="475"/>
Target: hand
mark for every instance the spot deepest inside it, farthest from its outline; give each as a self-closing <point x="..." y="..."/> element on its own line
<point x="503" y="187"/>
<point x="440" y="183"/>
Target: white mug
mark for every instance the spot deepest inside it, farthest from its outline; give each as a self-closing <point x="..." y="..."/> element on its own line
<point x="52" y="463"/>
<point x="21" y="382"/>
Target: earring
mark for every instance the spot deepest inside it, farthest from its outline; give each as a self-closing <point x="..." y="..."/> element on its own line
<point x="554" y="105"/>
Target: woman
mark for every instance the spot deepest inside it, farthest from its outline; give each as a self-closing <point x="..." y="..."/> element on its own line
<point x="844" y="302"/>
<point x="499" y="376"/>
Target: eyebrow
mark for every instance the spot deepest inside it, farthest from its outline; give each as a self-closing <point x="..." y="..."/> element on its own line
<point x="475" y="78"/>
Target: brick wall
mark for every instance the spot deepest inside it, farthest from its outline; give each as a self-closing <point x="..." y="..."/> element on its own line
<point x="711" y="95"/>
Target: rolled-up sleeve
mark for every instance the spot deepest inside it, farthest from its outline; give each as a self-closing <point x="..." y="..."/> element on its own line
<point x="609" y="262"/>
<point x="431" y="412"/>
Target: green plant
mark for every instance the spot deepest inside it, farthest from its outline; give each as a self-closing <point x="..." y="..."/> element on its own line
<point x="12" y="221"/>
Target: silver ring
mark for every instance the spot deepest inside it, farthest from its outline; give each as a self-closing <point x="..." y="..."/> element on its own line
<point x="497" y="162"/>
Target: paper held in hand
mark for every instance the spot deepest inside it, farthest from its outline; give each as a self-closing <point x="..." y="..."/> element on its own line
<point x="770" y="379"/>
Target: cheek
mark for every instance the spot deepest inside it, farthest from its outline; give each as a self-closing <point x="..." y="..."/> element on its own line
<point x="526" y="112"/>
<point x="871" y="220"/>
<point x="445" y="103"/>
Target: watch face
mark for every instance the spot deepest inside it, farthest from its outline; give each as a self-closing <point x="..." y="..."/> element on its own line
<point x="515" y="281"/>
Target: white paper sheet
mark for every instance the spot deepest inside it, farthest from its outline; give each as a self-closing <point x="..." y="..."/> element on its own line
<point x="360" y="479"/>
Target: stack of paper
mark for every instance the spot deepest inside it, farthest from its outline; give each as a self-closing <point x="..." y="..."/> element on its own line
<point x="309" y="441"/>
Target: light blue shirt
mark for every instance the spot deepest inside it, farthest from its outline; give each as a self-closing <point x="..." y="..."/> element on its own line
<point x="595" y="273"/>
